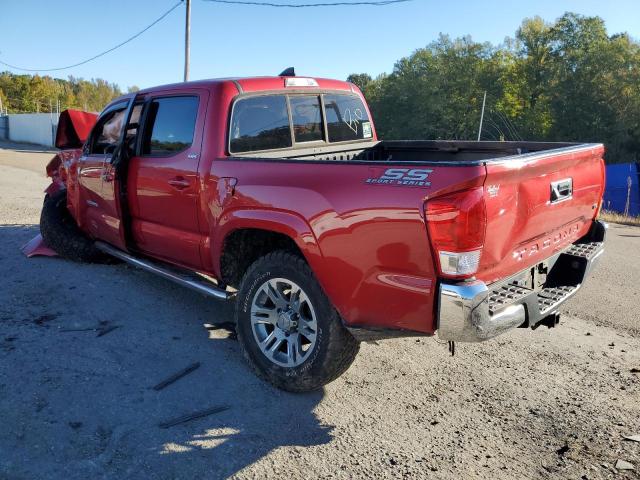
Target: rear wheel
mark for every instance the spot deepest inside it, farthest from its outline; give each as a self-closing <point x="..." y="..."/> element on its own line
<point x="60" y="231"/>
<point x="288" y="330"/>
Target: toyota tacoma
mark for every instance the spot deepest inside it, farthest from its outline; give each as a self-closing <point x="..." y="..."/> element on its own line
<point x="276" y="193"/>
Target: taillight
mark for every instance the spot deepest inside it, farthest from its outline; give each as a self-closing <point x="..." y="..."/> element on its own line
<point x="456" y="225"/>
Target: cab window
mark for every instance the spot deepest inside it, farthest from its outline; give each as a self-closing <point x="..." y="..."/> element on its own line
<point x="306" y="118"/>
<point x="347" y="118"/>
<point x="260" y="123"/>
<point x="170" y="125"/>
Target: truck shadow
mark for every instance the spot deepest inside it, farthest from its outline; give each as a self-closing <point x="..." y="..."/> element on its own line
<point x="81" y="405"/>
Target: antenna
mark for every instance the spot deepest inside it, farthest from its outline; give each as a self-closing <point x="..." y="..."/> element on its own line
<point x="288" y="72"/>
<point x="484" y="101"/>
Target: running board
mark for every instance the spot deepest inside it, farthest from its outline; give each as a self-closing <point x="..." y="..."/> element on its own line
<point x="186" y="278"/>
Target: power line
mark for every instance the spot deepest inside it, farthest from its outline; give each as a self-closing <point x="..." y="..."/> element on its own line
<point x="307" y="5"/>
<point x="100" y="54"/>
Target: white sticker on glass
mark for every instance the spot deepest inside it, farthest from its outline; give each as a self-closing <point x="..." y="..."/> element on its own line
<point x="366" y="130"/>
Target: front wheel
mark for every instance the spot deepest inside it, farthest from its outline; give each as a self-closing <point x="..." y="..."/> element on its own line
<point x="60" y="232"/>
<point x="288" y="330"/>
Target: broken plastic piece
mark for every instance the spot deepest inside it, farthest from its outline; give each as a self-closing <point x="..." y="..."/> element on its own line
<point x="36" y="246"/>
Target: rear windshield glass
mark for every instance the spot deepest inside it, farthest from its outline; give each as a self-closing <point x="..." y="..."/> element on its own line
<point x="347" y="118"/>
<point x="260" y="123"/>
<point x="306" y="118"/>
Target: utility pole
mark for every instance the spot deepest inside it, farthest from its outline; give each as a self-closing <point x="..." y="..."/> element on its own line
<point x="484" y="101"/>
<point x="187" y="34"/>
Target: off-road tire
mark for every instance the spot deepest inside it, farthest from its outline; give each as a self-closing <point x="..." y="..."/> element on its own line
<point x="335" y="347"/>
<point x="60" y="232"/>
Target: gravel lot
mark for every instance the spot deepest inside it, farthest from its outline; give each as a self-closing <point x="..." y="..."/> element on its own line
<point x="543" y="404"/>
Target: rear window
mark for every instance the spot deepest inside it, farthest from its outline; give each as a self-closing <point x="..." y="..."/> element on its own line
<point x="171" y="121"/>
<point x="260" y="123"/>
<point x="306" y="118"/>
<point x="347" y="118"/>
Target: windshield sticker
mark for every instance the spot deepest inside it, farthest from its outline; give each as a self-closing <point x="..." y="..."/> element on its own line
<point x="366" y="130"/>
<point x="402" y="177"/>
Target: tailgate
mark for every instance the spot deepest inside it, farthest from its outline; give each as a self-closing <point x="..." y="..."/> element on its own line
<point x="537" y="205"/>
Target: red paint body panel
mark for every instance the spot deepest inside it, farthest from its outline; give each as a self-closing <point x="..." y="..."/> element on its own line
<point x="367" y="244"/>
<point x="524" y="228"/>
<point x="74" y="127"/>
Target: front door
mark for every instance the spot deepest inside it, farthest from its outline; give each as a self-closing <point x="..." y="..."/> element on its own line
<point x="99" y="213"/>
<point x="162" y="179"/>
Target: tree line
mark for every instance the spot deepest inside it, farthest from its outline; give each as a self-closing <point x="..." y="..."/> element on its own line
<point x="35" y="93"/>
<point x="562" y="81"/>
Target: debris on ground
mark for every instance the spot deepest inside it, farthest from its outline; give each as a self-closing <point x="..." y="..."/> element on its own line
<point x="562" y="450"/>
<point x="105" y="330"/>
<point x="633" y="438"/>
<point x="193" y="416"/>
<point x="177" y="376"/>
<point x="624" y="465"/>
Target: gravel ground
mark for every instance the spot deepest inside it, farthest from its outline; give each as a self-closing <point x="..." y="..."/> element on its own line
<point x="528" y="405"/>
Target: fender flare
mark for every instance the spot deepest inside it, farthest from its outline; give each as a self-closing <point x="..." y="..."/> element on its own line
<point x="279" y="221"/>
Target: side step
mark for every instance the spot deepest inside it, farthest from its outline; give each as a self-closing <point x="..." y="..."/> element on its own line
<point x="185" y="278"/>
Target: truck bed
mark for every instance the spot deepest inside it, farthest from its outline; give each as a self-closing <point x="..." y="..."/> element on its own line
<point x="422" y="151"/>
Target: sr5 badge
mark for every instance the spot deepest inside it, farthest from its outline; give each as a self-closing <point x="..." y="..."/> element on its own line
<point x="403" y="177"/>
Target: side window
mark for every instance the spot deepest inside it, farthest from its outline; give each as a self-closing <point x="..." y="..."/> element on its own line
<point x="170" y="125"/>
<point x="306" y="118"/>
<point x="106" y="134"/>
<point x="347" y="118"/>
<point x="260" y="123"/>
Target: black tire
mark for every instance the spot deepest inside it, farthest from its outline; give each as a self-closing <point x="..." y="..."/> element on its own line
<point x="334" y="349"/>
<point x="60" y="232"/>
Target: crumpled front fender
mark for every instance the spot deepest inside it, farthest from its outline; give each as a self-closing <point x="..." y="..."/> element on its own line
<point x="56" y="171"/>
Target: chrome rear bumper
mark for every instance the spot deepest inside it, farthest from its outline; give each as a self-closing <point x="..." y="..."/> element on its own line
<point x="474" y="312"/>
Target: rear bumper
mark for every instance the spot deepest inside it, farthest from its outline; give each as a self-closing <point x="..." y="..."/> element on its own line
<point x="474" y="312"/>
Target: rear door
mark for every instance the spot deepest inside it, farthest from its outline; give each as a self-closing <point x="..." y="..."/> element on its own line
<point x="163" y="183"/>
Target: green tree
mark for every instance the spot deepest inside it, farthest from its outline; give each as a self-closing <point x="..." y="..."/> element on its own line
<point x="562" y="81"/>
<point x="360" y="80"/>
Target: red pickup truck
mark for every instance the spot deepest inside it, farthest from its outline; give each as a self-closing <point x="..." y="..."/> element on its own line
<point x="275" y="193"/>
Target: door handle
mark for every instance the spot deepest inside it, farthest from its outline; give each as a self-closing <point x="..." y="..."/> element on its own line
<point x="179" y="183"/>
<point x="561" y="190"/>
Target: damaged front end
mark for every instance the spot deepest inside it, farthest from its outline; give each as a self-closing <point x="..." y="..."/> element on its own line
<point x="74" y="127"/>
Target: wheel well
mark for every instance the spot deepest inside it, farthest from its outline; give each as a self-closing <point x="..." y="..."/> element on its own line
<point x="243" y="247"/>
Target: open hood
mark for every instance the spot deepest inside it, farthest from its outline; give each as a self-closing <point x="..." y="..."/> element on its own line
<point x="74" y="127"/>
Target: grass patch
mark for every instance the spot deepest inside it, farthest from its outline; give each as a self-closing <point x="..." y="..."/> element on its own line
<point x="616" y="217"/>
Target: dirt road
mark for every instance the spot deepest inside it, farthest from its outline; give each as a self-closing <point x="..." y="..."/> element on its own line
<point x="528" y="405"/>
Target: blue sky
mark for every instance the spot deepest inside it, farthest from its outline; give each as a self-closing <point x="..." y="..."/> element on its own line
<point x="232" y="40"/>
